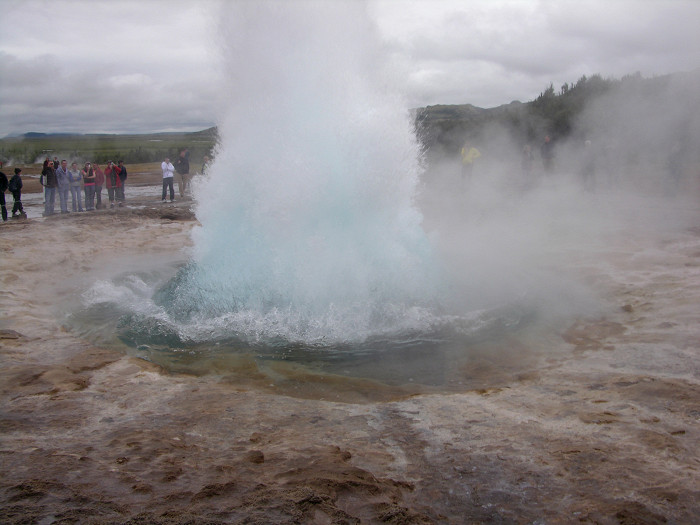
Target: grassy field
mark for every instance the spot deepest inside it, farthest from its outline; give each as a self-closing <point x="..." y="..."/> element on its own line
<point x="142" y="154"/>
<point x="32" y="148"/>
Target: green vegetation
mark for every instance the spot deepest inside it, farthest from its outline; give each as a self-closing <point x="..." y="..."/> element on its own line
<point x="444" y="129"/>
<point x="34" y="147"/>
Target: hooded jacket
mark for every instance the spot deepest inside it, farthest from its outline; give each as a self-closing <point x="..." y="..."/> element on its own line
<point x="48" y="175"/>
<point x="16" y="184"/>
<point x="62" y="178"/>
<point x="112" y="179"/>
<point x="75" y="178"/>
<point x="88" y="176"/>
<point x="99" y="176"/>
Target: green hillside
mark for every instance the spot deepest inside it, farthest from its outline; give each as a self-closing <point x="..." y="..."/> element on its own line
<point x="33" y="147"/>
<point x="590" y="108"/>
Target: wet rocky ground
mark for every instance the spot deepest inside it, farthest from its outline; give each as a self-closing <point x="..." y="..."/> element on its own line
<point x="602" y="427"/>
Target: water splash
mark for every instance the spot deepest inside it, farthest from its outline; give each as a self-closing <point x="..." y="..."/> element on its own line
<point x="308" y="229"/>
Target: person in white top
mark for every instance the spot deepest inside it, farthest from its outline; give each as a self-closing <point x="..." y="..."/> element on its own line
<point x="168" y="171"/>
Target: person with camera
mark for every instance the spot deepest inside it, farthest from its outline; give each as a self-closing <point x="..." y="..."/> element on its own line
<point x="168" y="171"/>
<point x="88" y="175"/>
<point x="113" y="182"/>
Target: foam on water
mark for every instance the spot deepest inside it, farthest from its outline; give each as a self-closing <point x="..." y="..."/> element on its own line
<point x="308" y="230"/>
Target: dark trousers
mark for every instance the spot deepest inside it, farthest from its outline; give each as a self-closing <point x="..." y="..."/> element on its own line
<point x="2" y="204"/>
<point x="89" y="196"/>
<point x="17" y="207"/>
<point x="168" y="183"/>
<point x="98" y="196"/>
<point x="120" y="193"/>
<point x="63" y="192"/>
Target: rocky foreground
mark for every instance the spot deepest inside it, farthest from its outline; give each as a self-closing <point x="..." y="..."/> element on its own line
<point x="603" y="427"/>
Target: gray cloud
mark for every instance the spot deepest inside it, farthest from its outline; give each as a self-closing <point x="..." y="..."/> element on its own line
<point x="134" y="66"/>
<point x="489" y="53"/>
<point x="107" y="67"/>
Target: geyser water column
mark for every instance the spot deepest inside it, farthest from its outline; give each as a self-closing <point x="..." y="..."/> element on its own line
<point x="309" y="231"/>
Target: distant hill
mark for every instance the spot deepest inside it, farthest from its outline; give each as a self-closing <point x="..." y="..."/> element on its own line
<point x="644" y="113"/>
<point x="590" y="107"/>
<point x="35" y="135"/>
<point x="100" y="147"/>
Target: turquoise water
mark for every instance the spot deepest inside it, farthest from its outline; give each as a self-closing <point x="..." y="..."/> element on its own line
<point x="311" y="251"/>
<point x="454" y="353"/>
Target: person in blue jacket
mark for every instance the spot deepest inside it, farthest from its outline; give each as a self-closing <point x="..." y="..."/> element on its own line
<point x="63" y="180"/>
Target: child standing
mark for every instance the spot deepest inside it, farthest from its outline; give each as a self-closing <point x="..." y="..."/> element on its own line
<point x="15" y="188"/>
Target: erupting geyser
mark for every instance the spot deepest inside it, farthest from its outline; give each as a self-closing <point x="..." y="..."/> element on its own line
<point x="309" y="232"/>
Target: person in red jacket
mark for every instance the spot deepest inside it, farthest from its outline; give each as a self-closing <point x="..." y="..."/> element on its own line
<point x="113" y="182"/>
<point x="99" y="182"/>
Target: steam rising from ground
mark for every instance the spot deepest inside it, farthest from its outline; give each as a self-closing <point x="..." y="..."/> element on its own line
<point x="310" y="227"/>
<point x="630" y="164"/>
<point x="321" y="224"/>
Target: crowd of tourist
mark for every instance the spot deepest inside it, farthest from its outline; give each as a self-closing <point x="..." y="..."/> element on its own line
<point x="79" y="189"/>
<point x="74" y="181"/>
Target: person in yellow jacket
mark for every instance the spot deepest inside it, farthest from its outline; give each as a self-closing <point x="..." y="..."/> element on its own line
<point x="469" y="155"/>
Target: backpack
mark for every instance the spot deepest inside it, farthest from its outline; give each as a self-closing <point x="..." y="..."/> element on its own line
<point x="13" y="185"/>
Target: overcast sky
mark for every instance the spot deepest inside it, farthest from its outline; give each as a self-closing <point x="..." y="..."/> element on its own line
<point x="143" y="66"/>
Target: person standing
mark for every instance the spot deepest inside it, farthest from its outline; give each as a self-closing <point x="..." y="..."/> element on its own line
<point x="469" y="155"/>
<point x="205" y="165"/>
<point x="112" y="181"/>
<point x="182" y="166"/>
<point x="3" y="187"/>
<point x="75" y="192"/>
<point x="15" y="187"/>
<point x="99" y="182"/>
<point x="63" y="181"/>
<point x="168" y="172"/>
<point x="88" y="175"/>
<point x="674" y="166"/>
<point x="587" y="165"/>
<point x="527" y="161"/>
<point x="48" y="180"/>
<point x="547" y="154"/>
<point x="122" y="178"/>
<point x="527" y="164"/>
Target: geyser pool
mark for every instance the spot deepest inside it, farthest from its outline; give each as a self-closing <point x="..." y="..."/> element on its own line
<point x="311" y="247"/>
<point x="477" y="350"/>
